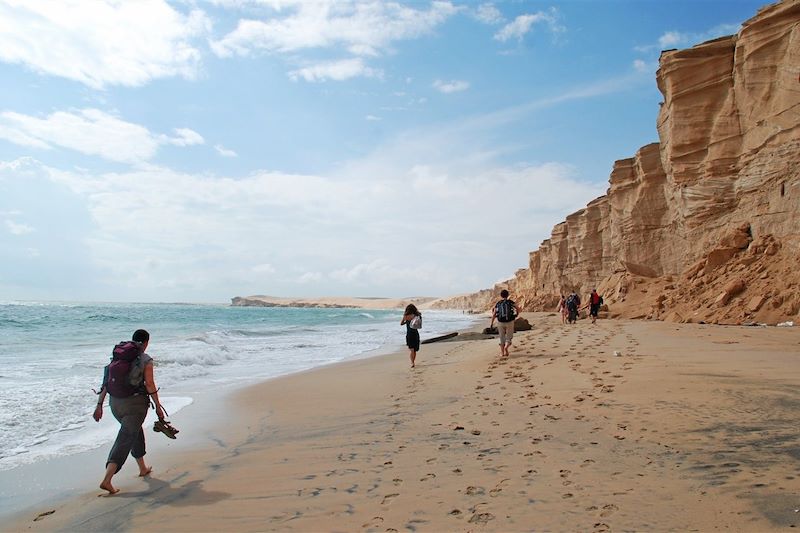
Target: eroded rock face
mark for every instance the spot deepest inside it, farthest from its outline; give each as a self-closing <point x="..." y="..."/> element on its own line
<point x="716" y="201"/>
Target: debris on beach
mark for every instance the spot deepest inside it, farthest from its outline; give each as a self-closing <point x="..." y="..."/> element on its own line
<point x="41" y="516"/>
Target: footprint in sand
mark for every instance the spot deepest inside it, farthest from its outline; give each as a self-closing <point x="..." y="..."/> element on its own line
<point x="310" y="492"/>
<point x="481" y="518"/>
<point x="389" y="497"/>
<point x="475" y="491"/>
<point x="427" y="477"/>
<point x="495" y="492"/>
<point x="608" y="510"/>
<point x="375" y="522"/>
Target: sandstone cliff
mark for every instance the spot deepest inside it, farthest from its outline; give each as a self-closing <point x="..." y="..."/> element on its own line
<point x="705" y="224"/>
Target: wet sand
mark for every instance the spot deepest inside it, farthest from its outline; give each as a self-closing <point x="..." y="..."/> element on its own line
<point x="690" y="427"/>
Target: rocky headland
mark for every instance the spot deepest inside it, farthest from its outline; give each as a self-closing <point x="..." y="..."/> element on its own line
<point x="331" y="302"/>
<point x="703" y="226"/>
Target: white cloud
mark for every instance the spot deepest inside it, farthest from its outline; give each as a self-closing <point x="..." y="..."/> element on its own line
<point x="17" y="135"/>
<point x="641" y="66"/>
<point x="263" y="268"/>
<point x="21" y="166"/>
<point x="92" y="132"/>
<point x="411" y="216"/>
<point x="488" y="14"/>
<point x="335" y="70"/>
<point x="184" y="137"/>
<point x="372" y="118"/>
<point x="363" y="50"/>
<point x="520" y="26"/>
<point x="452" y="86"/>
<point x="195" y="232"/>
<point x="671" y="39"/>
<point x="225" y="152"/>
<point x="309" y="277"/>
<point x="102" y="43"/>
<point x="18" y="229"/>
<point x="361" y="27"/>
<point x="382" y="272"/>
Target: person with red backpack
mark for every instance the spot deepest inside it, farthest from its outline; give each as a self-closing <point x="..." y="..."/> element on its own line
<point x="595" y="301"/>
<point x="128" y="381"/>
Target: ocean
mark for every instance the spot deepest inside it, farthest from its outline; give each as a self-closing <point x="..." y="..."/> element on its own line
<point x="52" y="355"/>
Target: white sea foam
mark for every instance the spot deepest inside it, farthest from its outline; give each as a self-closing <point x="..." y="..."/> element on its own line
<point x="78" y="436"/>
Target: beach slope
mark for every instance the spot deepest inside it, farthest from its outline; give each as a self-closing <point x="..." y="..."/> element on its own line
<point x="690" y="427"/>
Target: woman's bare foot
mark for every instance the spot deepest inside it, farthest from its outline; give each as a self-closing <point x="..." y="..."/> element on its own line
<point x="107" y="486"/>
<point x="144" y="472"/>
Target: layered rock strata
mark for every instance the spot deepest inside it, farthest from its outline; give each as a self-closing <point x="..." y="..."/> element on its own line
<point x="705" y="224"/>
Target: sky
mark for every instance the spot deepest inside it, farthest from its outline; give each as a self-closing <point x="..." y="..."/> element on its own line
<point x="190" y="151"/>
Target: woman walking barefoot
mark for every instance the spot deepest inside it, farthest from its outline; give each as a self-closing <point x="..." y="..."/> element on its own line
<point x="130" y="411"/>
<point x="412" y="333"/>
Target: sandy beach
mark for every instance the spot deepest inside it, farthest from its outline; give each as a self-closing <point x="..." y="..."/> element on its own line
<point x="690" y="427"/>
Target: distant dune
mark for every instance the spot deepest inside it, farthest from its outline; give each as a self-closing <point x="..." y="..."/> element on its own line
<point x="422" y="302"/>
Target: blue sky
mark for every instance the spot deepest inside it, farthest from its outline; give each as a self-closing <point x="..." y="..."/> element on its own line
<point x="195" y="151"/>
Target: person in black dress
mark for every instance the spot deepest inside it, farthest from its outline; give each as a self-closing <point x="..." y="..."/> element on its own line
<point x="412" y="317"/>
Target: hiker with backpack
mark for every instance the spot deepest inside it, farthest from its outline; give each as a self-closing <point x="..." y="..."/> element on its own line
<point x="128" y="381"/>
<point x="505" y="311"/>
<point x="595" y="301"/>
<point x="573" y="305"/>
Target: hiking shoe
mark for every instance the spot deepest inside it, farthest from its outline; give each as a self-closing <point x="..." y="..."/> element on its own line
<point x="165" y="427"/>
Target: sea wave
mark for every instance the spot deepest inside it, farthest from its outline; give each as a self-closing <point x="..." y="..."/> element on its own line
<point x="104" y="318"/>
<point x="249" y="333"/>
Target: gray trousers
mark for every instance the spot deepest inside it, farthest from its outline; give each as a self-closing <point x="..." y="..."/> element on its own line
<point x="130" y="413"/>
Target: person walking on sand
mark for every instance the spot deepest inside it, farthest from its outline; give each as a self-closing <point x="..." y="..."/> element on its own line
<point x="130" y="388"/>
<point x="562" y="309"/>
<point x="412" y="319"/>
<point x="594" y="303"/>
<point x="505" y="311"/>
